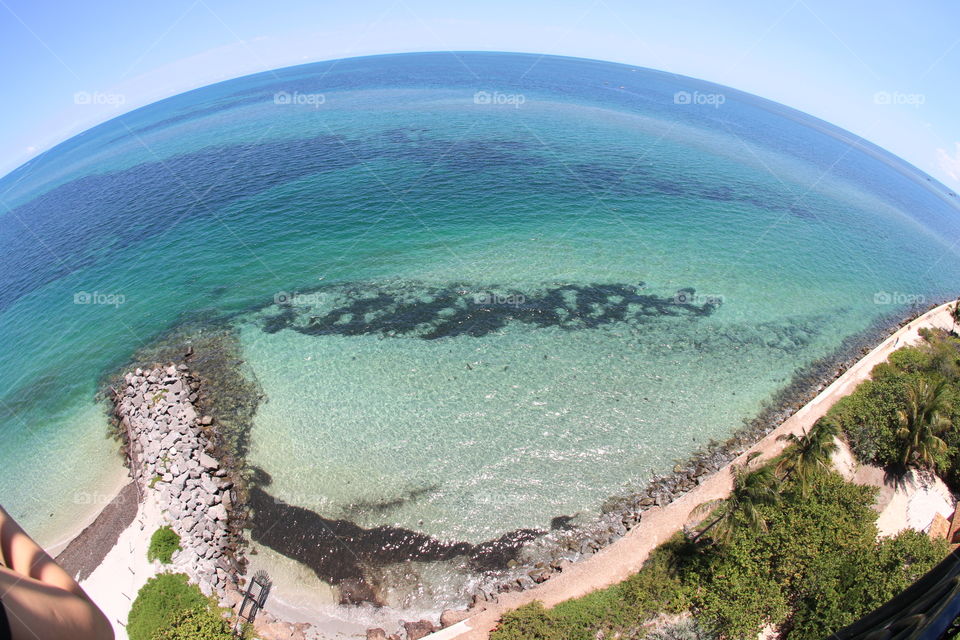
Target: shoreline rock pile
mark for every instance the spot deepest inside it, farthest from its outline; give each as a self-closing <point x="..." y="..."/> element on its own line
<point x="549" y="555"/>
<point x="172" y="453"/>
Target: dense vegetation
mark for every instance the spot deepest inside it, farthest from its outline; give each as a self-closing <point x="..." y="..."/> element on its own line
<point x="169" y="608"/>
<point x="159" y="602"/>
<point x="197" y="624"/>
<point x="795" y="547"/>
<point x="905" y="416"/>
<point x="163" y="543"/>
<point x="817" y="567"/>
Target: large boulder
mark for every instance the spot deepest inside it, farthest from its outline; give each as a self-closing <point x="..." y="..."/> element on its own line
<point x="451" y="617"/>
<point x="418" y="629"/>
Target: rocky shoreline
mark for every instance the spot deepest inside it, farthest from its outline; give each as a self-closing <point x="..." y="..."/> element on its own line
<point x="176" y="454"/>
<point x="183" y="488"/>
<point x="550" y="554"/>
<point x="172" y="452"/>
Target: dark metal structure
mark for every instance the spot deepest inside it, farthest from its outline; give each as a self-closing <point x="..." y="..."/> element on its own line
<point x="926" y="610"/>
<point x="255" y="597"/>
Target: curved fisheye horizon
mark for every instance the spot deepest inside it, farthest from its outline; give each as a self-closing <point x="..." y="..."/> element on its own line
<point x="820" y="58"/>
<point x="830" y="127"/>
<point x="407" y="321"/>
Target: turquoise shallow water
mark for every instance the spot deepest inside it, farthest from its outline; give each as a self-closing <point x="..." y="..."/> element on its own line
<point x="649" y="274"/>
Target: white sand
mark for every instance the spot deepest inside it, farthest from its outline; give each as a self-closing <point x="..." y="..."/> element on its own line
<point x="115" y="583"/>
<point x="911" y="503"/>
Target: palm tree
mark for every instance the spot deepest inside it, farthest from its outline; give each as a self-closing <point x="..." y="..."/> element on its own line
<point x="751" y="490"/>
<point x="808" y="454"/>
<point x="922" y="422"/>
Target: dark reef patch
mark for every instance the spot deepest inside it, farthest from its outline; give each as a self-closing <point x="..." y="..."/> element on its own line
<point x="429" y="313"/>
<point x="342" y="553"/>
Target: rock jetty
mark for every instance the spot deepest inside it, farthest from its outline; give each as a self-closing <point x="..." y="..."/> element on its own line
<point x="171" y="452"/>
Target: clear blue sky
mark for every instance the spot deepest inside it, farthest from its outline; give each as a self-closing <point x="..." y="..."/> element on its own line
<point x="829" y="58"/>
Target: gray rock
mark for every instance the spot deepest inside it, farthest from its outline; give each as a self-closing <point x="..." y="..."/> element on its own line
<point x="450" y="617"/>
<point x="418" y="629"/>
<point x="188" y="413"/>
<point x="208" y="461"/>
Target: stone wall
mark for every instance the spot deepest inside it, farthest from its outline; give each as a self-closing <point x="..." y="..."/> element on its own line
<point x="172" y="454"/>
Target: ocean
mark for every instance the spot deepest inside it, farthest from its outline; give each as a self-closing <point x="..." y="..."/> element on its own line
<point x="480" y="293"/>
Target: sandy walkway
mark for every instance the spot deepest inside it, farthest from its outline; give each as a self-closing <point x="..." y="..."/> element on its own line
<point x="114" y="584"/>
<point x="625" y="557"/>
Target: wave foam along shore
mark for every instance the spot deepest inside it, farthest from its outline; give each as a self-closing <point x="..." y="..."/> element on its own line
<point x="618" y="561"/>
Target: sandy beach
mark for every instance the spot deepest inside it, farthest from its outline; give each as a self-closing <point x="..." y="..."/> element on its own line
<point x="626" y="556"/>
<point x="109" y="555"/>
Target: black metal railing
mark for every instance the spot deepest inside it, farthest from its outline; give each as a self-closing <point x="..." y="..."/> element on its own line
<point x="926" y="610"/>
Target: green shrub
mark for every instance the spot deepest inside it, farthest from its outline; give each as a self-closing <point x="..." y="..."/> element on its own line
<point x="163" y="543"/>
<point x="197" y="624"/>
<point x="657" y="587"/>
<point x="818" y="567"/>
<point x="162" y="600"/>
<point x="910" y="359"/>
<point x="529" y="622"/>
<point x="869" y="418"/>
<point x="686" y="629"/>
<point x="617" y="611"/>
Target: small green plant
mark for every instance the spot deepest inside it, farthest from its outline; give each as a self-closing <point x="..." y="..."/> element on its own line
<point x="161" y="601"/>
<point x="155" y="479"/>
<point x="163" y="543"/>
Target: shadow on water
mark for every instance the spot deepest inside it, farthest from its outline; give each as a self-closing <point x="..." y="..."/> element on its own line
<point x="345" y="554"/>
